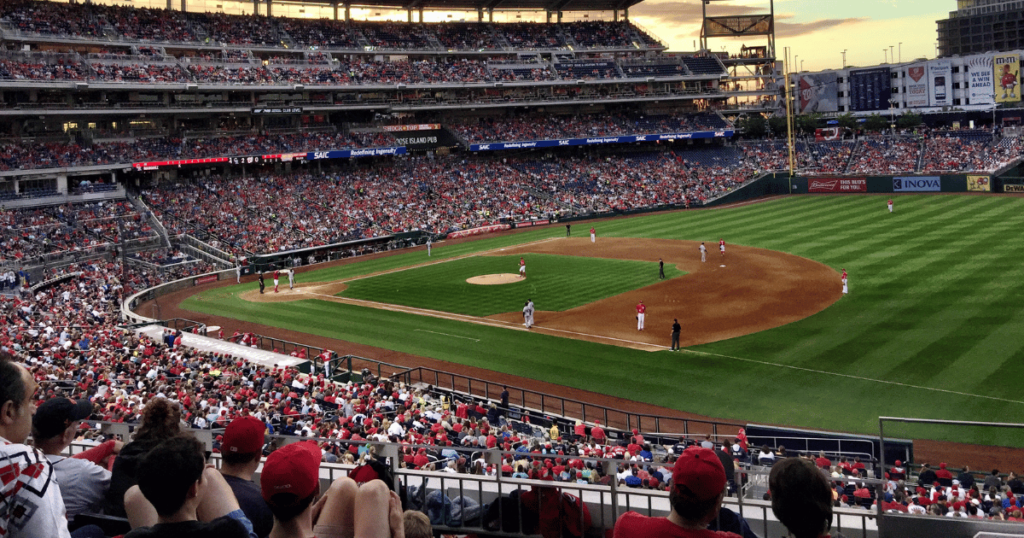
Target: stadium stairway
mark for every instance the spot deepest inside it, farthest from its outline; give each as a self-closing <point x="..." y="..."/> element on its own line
<point x="143" y="209"/>
<point x="920" y="156"/>
<point x="854" y="155"/>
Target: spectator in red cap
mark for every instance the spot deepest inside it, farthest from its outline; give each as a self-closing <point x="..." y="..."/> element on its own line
<point x="290" y="483"/>
<point x="801" y="498"/>
<point x="178" y="495"/>
<point x="696" y="493"/>
<point x="944" y="476"/>
<point x="241" y="450"/>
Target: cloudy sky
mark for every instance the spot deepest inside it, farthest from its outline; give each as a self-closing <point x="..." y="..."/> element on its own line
<point x="816" y="30"/>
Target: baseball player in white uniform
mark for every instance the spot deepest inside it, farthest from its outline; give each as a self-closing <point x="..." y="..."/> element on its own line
<point x="703" y="253"/>
<point x="530" y="313"/>
<point x="428" y="247"/>
<point x="526" y="314"/>
<point x="238" y="273"/>
<point x="291" y="279"/>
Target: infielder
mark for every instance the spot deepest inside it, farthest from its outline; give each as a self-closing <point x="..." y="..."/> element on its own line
<point x="277" y="275"/>
<point x="526" y="314"/>
<point x="593" y="235"/>
<point x="529" y="304"/>
<point x="890" y="205"/>
<point x="846" y="289"/>
<point x="703" y="253"/>
<point x="721" y="246"/>
<point x="291" y="279"/>
<point x="522" y="268"/>
<point x="641" y="313"/>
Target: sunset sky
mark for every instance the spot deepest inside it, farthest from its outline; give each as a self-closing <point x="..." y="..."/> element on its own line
<point x="816" y="30"/>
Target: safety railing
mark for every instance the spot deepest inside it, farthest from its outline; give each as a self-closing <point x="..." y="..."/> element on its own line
<point x="567" y="407"/>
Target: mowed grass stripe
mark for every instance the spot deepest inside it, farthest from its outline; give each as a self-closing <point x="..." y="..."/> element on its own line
<point x="933" y="290"/>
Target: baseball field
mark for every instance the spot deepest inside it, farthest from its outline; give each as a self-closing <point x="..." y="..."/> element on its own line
<point x="933" y="326"/>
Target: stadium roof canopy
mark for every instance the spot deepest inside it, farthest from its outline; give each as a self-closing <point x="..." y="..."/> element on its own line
<point x="502" y="5"/>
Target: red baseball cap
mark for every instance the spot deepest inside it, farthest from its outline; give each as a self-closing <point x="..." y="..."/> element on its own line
<point x="698" y="474"/>
<point x="293" y="469"/>
<point x="243" y="436"/>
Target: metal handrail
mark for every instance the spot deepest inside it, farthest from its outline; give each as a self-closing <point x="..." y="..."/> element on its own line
<point x="565" y="407"/>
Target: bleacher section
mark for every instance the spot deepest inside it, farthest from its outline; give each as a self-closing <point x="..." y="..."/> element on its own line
<point x="703" y="65"/>
<point x="112" y="23"/>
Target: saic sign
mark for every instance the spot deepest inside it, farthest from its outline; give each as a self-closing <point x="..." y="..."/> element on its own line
<point x="916" y="184"/>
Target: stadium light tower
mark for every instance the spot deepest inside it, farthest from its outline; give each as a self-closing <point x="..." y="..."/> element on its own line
<point x="844" y="58"/>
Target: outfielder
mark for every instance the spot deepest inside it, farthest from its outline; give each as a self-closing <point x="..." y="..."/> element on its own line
<point x="641" y="313"/>
<point x="522" y="268"/>
<point x="703" y="253"/>
<point x="277" y="275"/>
<point x="846" y="289"/>
<point x="291" y="279"/>
<point x="890" y="205"/>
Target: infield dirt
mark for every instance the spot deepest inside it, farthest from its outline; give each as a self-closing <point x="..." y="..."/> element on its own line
<point x="745" y="282"/>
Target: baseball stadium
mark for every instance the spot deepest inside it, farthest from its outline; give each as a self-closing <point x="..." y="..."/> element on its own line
<point x="413" y="261"/>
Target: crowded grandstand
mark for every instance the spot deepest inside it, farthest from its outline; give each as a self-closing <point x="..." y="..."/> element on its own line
<point x="145" y="147"/>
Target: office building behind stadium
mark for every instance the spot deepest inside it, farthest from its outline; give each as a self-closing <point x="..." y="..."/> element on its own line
<point x="982" y="26"/>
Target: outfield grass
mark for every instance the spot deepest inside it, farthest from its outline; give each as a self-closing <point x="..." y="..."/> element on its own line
<point x="555" y="283"/>
<point x="933" y="326"/>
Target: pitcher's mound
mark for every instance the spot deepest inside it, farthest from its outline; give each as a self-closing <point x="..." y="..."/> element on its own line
<point x="492" y="280"/>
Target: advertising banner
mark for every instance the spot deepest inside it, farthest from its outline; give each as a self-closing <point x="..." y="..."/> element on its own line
<point x="917" y="86"/>
<point x="916" y="184"/>
<point x="980" y="90"/>
<point x="836" y="184"/>
<point x="870" y="89"/>
<point x="404" y="128"/>
<point x="978" y="184"/>
<point x="601" y="140"/>
<point x="1006" y="70"/>
<point x="940" y="82"/>
<point x="204" y="279"/>
<point x="1013" y="188"/>
<point x="817" y="92"/>
<point x="346" y="153"/>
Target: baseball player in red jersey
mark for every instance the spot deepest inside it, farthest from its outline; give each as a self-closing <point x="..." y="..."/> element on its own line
<point x="845" y="288"/>
<point x="593" y="235"/>
<point x="277" y="275"/>
<point x="721" y="246"/>
<point x="890" y="205"/>
<point x="641" y="313"/>
<point x="522" y="268"/>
